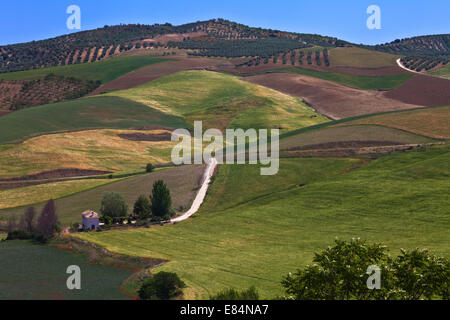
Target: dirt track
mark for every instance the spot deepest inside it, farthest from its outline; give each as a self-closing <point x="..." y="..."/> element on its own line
<point x="334" y="100"/>
<point x="155" y="71"/>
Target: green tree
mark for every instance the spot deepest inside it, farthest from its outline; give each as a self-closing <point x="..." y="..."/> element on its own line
<point x="161" y="200"/>
<point x="142" y="208"/>
<point x="231" y="294"/>
<point x="163" y="286"/>
<point x="150" y="168"/>
<point x="114" y="205"/>
<point x="340" y="273"/>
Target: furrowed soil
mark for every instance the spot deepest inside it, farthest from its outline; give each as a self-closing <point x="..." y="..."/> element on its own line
<point x="329" y="98"/>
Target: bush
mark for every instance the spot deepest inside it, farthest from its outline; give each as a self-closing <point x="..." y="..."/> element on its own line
<point x="150" y="168"/>
<point x="163" y="286"/>
<point x="114" y="205"/>
<point x="231" y="294"/>
<point x="142" y="208"/>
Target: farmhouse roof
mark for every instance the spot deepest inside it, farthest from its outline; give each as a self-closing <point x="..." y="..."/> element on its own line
<point x="89" y="214"/>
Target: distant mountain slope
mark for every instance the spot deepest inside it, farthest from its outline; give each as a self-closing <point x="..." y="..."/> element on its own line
<point x="99" y="44"/>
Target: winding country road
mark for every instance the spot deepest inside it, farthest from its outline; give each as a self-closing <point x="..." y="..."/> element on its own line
<point x="201" y="194"/>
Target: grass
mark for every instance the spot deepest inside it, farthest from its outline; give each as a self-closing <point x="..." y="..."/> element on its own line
<point x="258" y="236"/>
<point x="361" y="58"/>
<point x="430" y="122"/>
<point x="35" y="272"/>
<point x="100" y="149"/>
<point x="222" y="101"/>
<point x="104" y="71"/>
<point x="26" y="196"/>
<point x="442" y="72"/>
<point x="81" y="114"/>
<point x="345" y="133"/>
<point x="182" y="182"/>
<point x="354" y="81"/>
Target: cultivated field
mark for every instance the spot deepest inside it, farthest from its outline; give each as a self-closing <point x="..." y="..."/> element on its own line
<point x="423" y="90"/>
<point x="359" y="135"/>
<point x="442" y="72"/>
<point x="104" y="71"/>
<point x="354" y="81"/>
<point x="222" y="101"/>
<point x="429" y="122"/>
<point x="182" y="181"/>
<point x="33" y="272"/>
<point x="361" y="58"/>
<point x="329" y="98"/>
<point x="258" y="236"/>
<point x="102" y="150"/>
<point x="82" y="114"/>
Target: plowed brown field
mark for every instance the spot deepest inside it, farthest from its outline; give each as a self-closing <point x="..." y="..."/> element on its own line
<point x="334" y="100"/>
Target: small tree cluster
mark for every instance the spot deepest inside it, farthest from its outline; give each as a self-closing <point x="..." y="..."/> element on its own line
<point x="42" y="229"/>
<point x="163" y="286"/>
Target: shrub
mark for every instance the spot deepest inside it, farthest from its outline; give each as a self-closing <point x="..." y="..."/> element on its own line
<point x="113" y="205"/>
<point x="150" y="168"/>
<point x="142" y="208"/>
<point x="163" y="286"/>
<point x="231" y="294"/>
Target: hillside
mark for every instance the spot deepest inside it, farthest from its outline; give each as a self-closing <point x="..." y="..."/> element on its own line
<point x="102" y="43"/>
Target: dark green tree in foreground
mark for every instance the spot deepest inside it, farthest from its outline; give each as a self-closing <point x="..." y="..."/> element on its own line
<point x="47" y="224"/>
<point x="163" y="286"/>
<point x="340" y="273"/>
<point x="114" y="205"/>
<point x="233" y="295"/>
<point x="142" y="208"/>
<point x="161" y="201"/>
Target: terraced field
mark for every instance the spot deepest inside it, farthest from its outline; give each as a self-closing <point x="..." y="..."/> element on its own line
<point x="274" y="228"/>
<point x="361" y="58"/>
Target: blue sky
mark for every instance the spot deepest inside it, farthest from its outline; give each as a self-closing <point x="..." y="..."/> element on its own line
<point x="27" y="20"/>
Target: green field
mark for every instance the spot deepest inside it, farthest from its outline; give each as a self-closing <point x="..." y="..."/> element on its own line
<point x="254" y="233"/>
<point x="346" y="133"/>
<point x="81" y="114"/>
<point x="442" y="72"/>
<point x="182" y="181"/>
<point x="34" y="272"/>
<point x="354" y="81"/>
<point x="104" y="71"/>
<point x="222" y="101"/>
<point x="361" y="58"/>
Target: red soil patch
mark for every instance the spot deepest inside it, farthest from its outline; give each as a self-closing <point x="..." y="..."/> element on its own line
<point x="423" y="90"/>
<point x="346" y="144"/>
<point x="166" y="136"/>
<point x="155" y="71"/>
<point x="334" y="100"/>
<point x="56" y="174"/>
